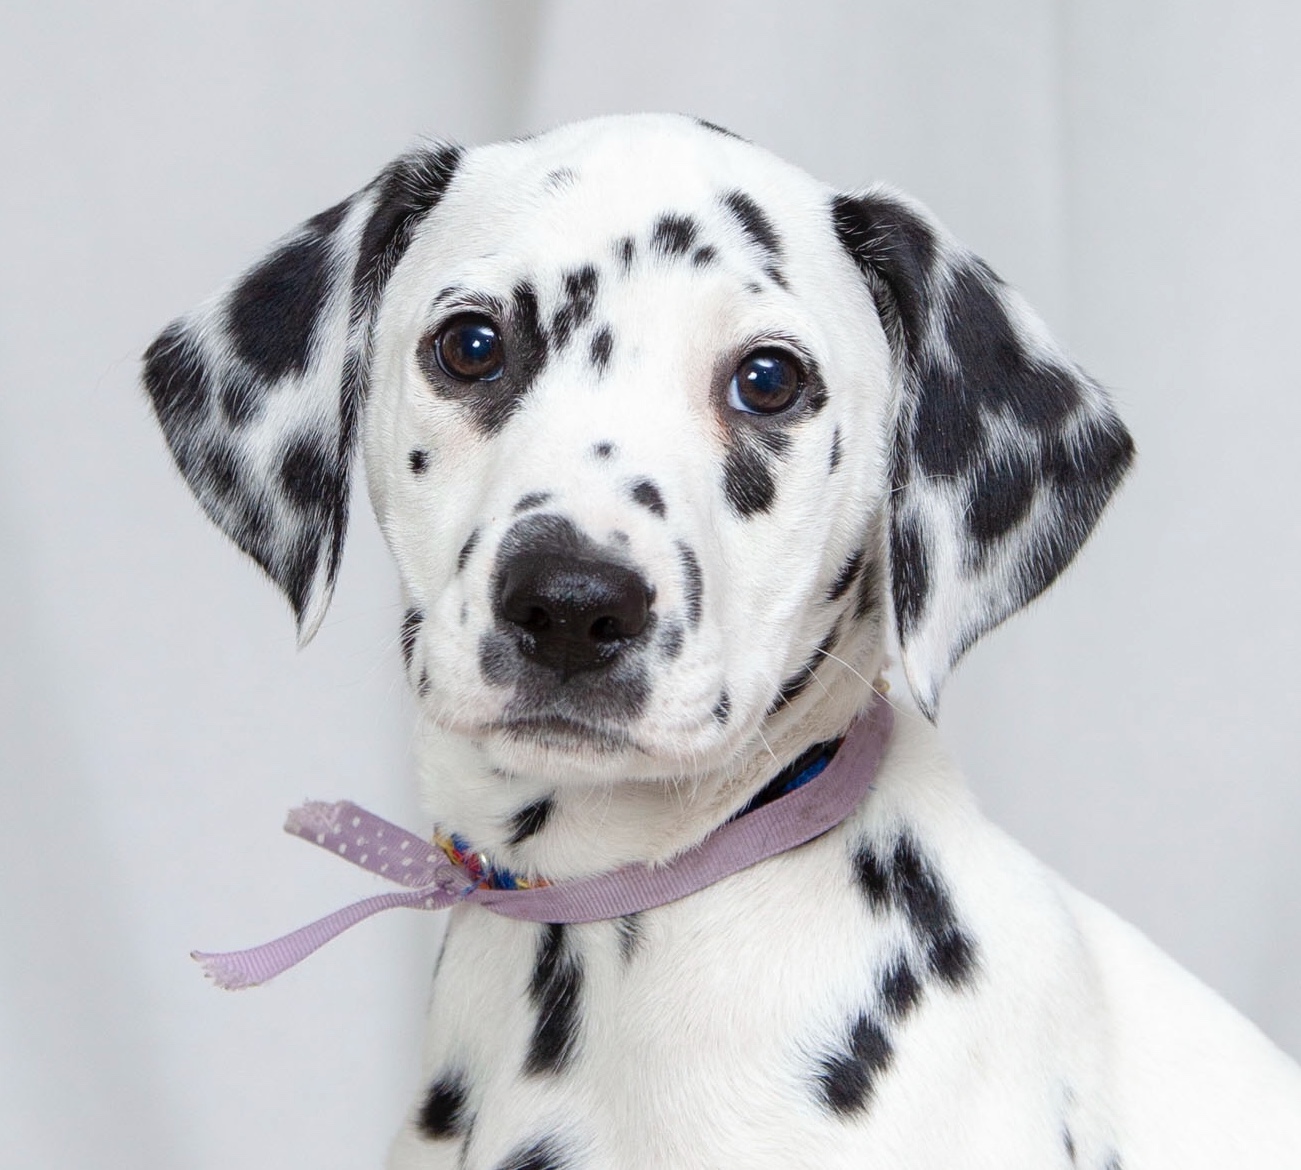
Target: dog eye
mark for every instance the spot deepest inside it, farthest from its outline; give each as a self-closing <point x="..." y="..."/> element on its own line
<point x="469" y="349"/>
<point x="767" y="381"/>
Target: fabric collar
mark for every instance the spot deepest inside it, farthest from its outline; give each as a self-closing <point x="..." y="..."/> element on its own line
<point x="786" y="813"/>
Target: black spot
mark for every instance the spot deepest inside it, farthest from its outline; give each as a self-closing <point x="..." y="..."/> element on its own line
<point x="896" y="252"/>
<point x="467" y="550"/>
<point x="554" y="991"/>
<point x="409" y="189"/>
<point x="410" y="629"/>
<point x="717" y="129"/>
<point x="1001" y="495"/>
<point x="993" y="371"/>
<point x="909" y="571"/>
<point x="309" y="475"/>
<point x="748" y="481"/>
<point x="1082" y="472"/>
<point x="443" y="1113"/>
<point x="530" y="340"/>
<point x="176" y="377"/>
<point x="693" y="582"/>
<point x="630" y="934"/>
<point x="625" y="249"/>
<point x="645" y="493"/>
<point x="847" y="1078"/>
<point x="241" y="398"/>
<point x="532" y="500"/>
<point x="575" y="305"/>
<point x="798" y="683"/>
<point x="773" y="273"/>
<point x="217" y="467"/>
<point x="531" y="820"/>
<point x="869" y="590"/>
<point x="296" y="570"/>
<point x="753" y="222"/>
<point x="909" y="885"/>
<point x="422" y="687"/>
<point x="919" y="891"/>
<point x="673" y="235"/>
<point x="836" y="452"/>
<point x="1113" y="1163"/>
<point x="722" y="711"/>
<point x="418" y="461"/>
<point x="544" y="1154"/>
<point x="845" y="578"/>
<point x="671" y="640"/>
<point x="562" y="177"/>
<point x="900" y="989"/>
<point x="704" y="256"/>
<point x="1068" y="1143"/>
<point x="603" y="450"/>
<point x="275" y="308"/>
<point x="598" y="352"/>
<point x="873" y="878"/>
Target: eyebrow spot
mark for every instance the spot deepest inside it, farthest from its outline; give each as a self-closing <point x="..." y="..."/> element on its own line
<point x="673" y="235"/>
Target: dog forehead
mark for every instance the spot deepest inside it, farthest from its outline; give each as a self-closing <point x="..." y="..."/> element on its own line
<point x="563" y="194"/>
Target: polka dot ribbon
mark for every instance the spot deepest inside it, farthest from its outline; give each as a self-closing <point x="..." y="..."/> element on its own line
<point x="430" y="880"/>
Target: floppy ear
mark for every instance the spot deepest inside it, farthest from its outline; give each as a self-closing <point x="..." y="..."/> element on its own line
<point x="259" y="390"/>
<point x="1005" y="451"/>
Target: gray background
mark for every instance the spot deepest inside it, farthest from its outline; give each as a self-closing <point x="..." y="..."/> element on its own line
<point x="1131" y="164"/>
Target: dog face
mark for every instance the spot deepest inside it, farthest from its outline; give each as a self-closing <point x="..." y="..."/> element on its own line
<point x="658" y="429"/>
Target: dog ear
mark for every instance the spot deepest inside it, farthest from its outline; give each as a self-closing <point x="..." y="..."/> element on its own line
<point x="259" y="391"/>
<point x="1005" y="452"/>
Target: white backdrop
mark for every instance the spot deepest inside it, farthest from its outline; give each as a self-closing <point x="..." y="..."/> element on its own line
<point x="1132" y="165"/>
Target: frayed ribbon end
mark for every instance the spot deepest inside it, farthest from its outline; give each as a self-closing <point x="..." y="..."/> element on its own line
<point x="314" y="818"/>
<point x="224" y="974"/>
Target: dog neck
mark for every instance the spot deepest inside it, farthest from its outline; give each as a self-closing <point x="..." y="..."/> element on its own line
<point x="536" y="826"/>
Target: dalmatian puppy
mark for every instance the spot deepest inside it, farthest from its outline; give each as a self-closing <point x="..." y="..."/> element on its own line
<point x="671" y="444"/>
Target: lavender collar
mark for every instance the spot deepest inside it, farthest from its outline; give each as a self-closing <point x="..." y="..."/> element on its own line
<point x="431" y="881"/>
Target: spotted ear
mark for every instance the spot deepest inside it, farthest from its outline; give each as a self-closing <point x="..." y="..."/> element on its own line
<point x="1005" y="451"/>
<point x="259" y="391"/>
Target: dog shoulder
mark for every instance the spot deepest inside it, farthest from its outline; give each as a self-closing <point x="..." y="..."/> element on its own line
<point x="1197" y="1081"/>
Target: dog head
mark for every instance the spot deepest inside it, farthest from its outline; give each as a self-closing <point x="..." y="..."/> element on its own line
<point x="659" y="431"/>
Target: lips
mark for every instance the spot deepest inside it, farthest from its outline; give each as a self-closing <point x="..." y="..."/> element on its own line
<point x="564" y="732"/>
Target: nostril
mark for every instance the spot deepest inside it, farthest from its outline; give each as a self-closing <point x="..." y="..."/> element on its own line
<point x="536" y="620"/>
<point x="605" y="629"/>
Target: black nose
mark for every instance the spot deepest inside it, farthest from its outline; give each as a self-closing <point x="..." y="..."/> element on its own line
<point x="573" y="614"/>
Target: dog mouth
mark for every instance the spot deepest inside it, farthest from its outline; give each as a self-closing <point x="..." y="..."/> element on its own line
<point x="564" y="733"/>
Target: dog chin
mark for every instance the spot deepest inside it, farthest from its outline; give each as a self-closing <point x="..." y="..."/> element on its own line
<point x="560" y="745"/>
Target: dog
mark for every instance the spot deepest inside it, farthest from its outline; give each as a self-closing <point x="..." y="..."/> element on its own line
<point x="673" y="446"/>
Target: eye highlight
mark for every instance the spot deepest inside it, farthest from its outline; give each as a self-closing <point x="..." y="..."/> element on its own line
<point x="469" y="348"/>
<point x="766" y="381"/>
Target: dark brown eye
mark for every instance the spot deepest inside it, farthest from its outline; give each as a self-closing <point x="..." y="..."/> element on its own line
<point x="469" y="349"/>
<point x="767" y="381"/>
